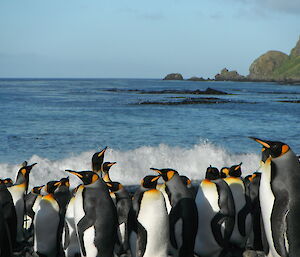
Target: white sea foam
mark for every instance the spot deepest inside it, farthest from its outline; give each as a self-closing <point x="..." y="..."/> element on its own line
<point x="133" y="165"/>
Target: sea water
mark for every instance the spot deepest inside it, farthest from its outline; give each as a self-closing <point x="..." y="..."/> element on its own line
<point x="60" y="123"/>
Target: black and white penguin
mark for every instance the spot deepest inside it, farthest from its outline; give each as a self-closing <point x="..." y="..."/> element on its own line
<point x="183" y="217"/>
<point x="46" y="222"/>
<point x="105" y="167"/>
<point x="123" y="204"/>
<point x="279" y="198"/>
<point x="97" y="160"/>
<point x="243" y="220"/>
<point x="70" y="241"/>
<point x="95" y="216"/>
<point x="255" y="241"/>
<point x="62" y="195"/>
<point x="151" y="221"/>
<point x="10" y="220"/>
<point x="18" y="191"/>
<point x="215" y="215"/>
<point x="31" y="199"/>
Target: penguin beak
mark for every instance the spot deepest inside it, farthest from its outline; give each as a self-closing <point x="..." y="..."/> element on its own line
<point x="157" y="170"/>
<point x="109" y="184"/>
<point x="75" y="173"/>
<point x="111" y="164"/>
<point x="239" y="166"/>
<point x="156" y="178"/>
<point x="265" y="144"/>
<point x="102" y="152"/>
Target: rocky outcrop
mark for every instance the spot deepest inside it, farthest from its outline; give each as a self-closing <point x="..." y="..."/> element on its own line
<point x="173" y="76"/>
<point x="264" y="66"/>
<point x="295" y="52"/>
<point x="196" y="79"/>
<point x="277" y="66"/>
<point x="227" y="75"/>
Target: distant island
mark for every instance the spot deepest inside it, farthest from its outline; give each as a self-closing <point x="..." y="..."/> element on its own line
<point x="273" y="66"/>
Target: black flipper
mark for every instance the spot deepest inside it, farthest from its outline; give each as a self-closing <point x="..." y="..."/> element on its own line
<point x="244" y="212"/>
<point x="85" y="223"/>
<point x="142" y="240"/>
<point x="216" y="228"/>
<point x="226" y="213"/>
<point x="174" y="216"/>
<point x="278" y="222"/>
<point x="67" y="236"/>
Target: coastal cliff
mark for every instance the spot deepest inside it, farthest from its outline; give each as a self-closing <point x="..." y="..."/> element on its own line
<point x="274" y="66"/>
<point x="277" y="66"/>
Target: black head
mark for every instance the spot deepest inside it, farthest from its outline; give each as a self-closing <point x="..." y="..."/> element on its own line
<point x="25" y="168"/>
<point x="166" y="174"/>
<point x="185" y="180"/>
<point x="51" y="186"/>
<point x="212" y="173"/>
<point x="235" y="170"/>
<point x="88" y="177"/>
<point x="224" y="172"/>
<point x="37" y="190"/>
<point x="2" y="185"/>
<point x="272" y="148"/>
<point x="8" y="182"/>
<point x="97" y="160"/>
<point x="114" y="186"/>
<point x="65" y="182"/>
<point x="107" y="165"/>
<point x="150" y="181"/>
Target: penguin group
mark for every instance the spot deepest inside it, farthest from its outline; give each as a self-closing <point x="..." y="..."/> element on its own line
<point x="223" y="215"/>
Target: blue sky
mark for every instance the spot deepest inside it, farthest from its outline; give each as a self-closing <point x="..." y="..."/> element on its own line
<point x="139" y="38"/>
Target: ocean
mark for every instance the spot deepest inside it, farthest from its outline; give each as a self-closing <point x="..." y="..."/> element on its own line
<point x="60" y="123"/>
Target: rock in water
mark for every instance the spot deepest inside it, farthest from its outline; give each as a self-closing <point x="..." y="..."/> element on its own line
<point x="173" y="76"/>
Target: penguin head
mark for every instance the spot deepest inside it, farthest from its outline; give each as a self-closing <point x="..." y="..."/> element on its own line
<point x="51" y="186"/>
<point x="185" y="180"/>
<point x="166" y="174"/>
<point x="114" y="186"/>
<point x="235" y="170"/>
<point x="97" y="160"/>
<point x="224" y="172"/>
<point x="25" y="169"/>
<point x="272" y="148"/>
<point x="105" y="167"/>
<point x="88" y="177"/>
<point x="64" y="182"/>
<point x="212" y="173"/>
<point x="8" y="182"/>
<point x="2" y="184"/>
<point x="150" y="181"/>
<point x="37" y="190"/>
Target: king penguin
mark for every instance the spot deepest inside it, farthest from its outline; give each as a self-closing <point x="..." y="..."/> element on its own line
<point x="32" y="198"/>
<point x="95" y="216"/>
<point x="62" y="195"/>
<point x="123" y="204"/>
<point x="243" y="219"/>
<point x="151" y="221"/>
<point x="97" y="160"/>
<point x="46" y="222"/>
<point x="69" y="237"/>
<point x="183" y="217"/>
<point x="18" y="191"/>
<point x="10" y="220"/>
<point x="215" y="215"/>
<point x="279" y="198"/>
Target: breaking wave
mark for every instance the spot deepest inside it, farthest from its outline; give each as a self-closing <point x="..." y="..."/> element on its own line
<point x="133" y="165"/>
